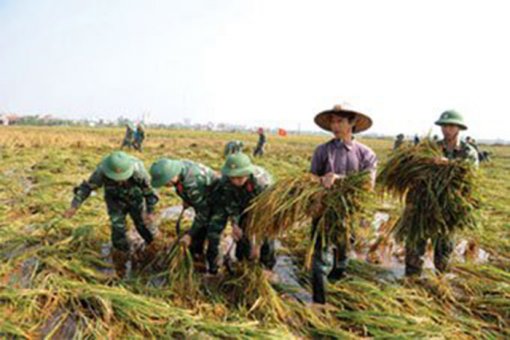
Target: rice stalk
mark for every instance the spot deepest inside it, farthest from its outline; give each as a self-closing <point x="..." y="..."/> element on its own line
<point x="293" y="201"/>
<point x="440" y="196"/>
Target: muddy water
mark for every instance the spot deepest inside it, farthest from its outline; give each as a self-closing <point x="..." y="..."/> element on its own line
<point x="286" y="271"/>
<point x="65" y="322"/>
<point x="173" y="212"/>
<point x="391" y="255"/>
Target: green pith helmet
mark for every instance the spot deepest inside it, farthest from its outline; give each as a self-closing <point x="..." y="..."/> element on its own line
<point x="237" y="165"/>
<point x="163" y="170"/>
<point x="452" y="117"/>
<point x="131" y="126"/>
<point x="118" y="166"/>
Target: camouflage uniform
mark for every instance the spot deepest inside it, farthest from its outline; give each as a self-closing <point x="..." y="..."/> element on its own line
<point x="443" y="246"/>
<point x="231" y="201"/>
<point x="233" y="147"/>
<point x="128" y="138"/>
<point x="131" y="197"/>
<point x="195" y="187"/>
<point x="139" y="137"/>
<point x="398" y="142"/>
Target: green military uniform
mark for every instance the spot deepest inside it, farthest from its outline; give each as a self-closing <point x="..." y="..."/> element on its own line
<point x="443" y="246"/>
<point x="231" y="202"/>
<point x="232" y="147"/>
<point x="195" y="186"/>
<point x="259" y="149"/>
<point x="130" y="193"/>
<point x="139" y="137"/>
<point x="398" y="142"/>
<point x="129" y="136"/>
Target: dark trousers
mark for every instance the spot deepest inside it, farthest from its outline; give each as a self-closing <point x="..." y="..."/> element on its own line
<point x="198" y="231"/>
<point x="243" y="247"/>
<point x="443" y="248"/>
<point x="118" y="211"/>
<point x="324" y="261"/>
<point x="259" y="151"/>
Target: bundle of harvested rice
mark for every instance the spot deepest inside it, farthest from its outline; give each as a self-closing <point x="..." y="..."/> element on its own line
<point x="250" y="291"/>
<point x="440" y="194"/>
<point x="182" y="275"/>
<point x="289" y="201"/>
<point x="294" y="200"/>
<point x="177" y="262"/>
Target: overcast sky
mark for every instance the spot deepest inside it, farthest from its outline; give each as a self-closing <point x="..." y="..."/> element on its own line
<point x="270" y="63"/>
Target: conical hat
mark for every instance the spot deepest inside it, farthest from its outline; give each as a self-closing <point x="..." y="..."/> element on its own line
<point x="363" y="122"/>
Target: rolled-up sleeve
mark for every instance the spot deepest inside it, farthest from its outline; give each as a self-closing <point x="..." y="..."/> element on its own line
<point x="83" y="191"/>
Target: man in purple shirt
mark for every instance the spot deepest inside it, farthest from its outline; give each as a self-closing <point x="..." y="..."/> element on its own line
<point x="333" y="160"/>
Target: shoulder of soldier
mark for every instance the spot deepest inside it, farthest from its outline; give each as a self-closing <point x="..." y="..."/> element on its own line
<point x="98" y="173"/>
<point x="223" y="184"/>
<point x="139" y="169"/>
<point x="468" y="148"/>
<point x="262" y="177"/>
<point x="199" y="172"/>
<point x="138" y="164"/>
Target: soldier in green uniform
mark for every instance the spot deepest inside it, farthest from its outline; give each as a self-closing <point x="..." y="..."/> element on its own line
<point x="399" y="141"/>
<point x="232" y="147"/>
<point x="129" y="136"/>
<point x="451" y="123"/>
<point x="194" y="183"/>
<point x="127" y="191"/>
<point x="139" y="137"/>
<point x="259" y="149"/>
<point x="241" y="182"/>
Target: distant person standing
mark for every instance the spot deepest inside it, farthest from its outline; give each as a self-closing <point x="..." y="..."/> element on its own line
<point x="483" y="156"/>
<point x="259" y="150"/>
<point x="416" y="140"/>
<point x="399" y="141"/>
<point x="139" y="137"/>
<point x="233" y="147"/>
<point x="129" y="136"/>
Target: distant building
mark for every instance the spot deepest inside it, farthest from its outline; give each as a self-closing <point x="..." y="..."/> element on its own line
<point x="4" y="120"/>
<point x="8" y="119"/>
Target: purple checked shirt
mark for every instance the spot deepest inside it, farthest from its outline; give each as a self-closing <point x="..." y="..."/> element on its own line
<point x="343" y="158"/>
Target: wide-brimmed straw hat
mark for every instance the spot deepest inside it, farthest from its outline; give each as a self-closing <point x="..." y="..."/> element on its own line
<point x="323" y="119"/>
